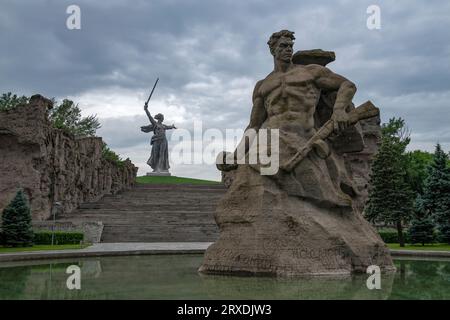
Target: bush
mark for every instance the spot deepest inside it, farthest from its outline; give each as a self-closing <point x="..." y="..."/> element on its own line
<point x="391" y="236"/>
<point x="111" y="156"/>
<point x="444" y="233"/>
<point x="45" y="237"/>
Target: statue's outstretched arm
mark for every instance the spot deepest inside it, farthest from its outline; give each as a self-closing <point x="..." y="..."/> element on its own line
<point x="330" y="81"/>
<point x="153" y="122"/>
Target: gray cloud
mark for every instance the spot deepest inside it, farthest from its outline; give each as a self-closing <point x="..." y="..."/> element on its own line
<point x="209" y="54"/>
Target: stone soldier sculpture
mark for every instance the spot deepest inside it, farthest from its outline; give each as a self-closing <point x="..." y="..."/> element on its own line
<point x="159" y="158"/>
<point x="303" y="219"/>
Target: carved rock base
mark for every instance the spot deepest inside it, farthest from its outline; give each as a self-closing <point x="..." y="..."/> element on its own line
<point x="265" y="231"/>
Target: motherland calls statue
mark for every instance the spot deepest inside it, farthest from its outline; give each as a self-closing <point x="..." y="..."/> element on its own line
<point x="159" y="157"/>
<point x="303" y="219"/>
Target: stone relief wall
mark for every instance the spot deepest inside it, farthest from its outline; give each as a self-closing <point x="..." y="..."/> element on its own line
<point x="52" y="165"/>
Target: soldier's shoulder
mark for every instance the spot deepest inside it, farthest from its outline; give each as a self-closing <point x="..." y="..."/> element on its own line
<point x="256" y="90"/>
<point x="315" y="68"/>
<point x="268" y="77"/>
<point x="260" y="82"/>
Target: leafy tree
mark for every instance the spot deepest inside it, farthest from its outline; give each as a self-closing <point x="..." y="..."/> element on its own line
<point x="67" y="116"/>
<point x="390" y="197"/>
<point x="9" y="101"/>
<point x="422" y="226"/>
<point x="417" y="166"/>
<point x="16" y="222"/>
<point x="436" y="198"/>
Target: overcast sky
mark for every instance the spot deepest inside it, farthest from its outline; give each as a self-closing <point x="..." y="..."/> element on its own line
<point x="209" y="54"/>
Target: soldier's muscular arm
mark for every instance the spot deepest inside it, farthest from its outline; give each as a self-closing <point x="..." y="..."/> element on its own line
<point x="258" y="115"/>
<point x="257" y="118"/>
<point x="330" y="81"/>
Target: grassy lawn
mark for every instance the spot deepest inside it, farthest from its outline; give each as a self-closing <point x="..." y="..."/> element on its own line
<point x="42" y="247"/>
<point x="431" y="247"/>
<point x="172" y="180"/>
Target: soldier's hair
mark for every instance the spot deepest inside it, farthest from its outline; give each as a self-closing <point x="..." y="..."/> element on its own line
<point x="159" y="116"/>
<point x="277" y="35"/>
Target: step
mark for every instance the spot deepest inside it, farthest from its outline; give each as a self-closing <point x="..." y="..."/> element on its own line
<point x="155" y="234"/>
<point x="133" y="211"/>
<point x="155" y="213"/>
<point x="219" y="186"/>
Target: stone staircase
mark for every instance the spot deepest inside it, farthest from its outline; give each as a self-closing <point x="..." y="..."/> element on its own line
<point x="155" y="213"/>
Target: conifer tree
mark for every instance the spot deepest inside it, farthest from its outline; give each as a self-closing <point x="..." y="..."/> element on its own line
<point x="422" y="226"/>
<point x="16" y="222"/>
<point x="436" y="198"/>
<point x="390" y="196"/>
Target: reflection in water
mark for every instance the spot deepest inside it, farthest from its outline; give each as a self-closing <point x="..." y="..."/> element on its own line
<point x="422" y="279"/>
<point x="176" y="277"/>
<point x="13" y="282"/>
<point x="295" y="288"/>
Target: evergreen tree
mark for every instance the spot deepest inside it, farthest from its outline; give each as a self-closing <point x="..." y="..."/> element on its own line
<point x="422" y="226"/>
<point x="436" y="198"/>
<point x="421" y="230"/>
<point x="16" y="222"/>
<point x="390" y="196"/>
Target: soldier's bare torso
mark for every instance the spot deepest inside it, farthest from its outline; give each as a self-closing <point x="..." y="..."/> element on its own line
<point x="290" y="99"/>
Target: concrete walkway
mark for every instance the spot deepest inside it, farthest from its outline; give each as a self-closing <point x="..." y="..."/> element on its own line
<point x="136" y="248"/>
<point x="111" y="249"/>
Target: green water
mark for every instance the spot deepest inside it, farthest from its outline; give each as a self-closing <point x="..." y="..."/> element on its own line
<point x="176" y="277"/>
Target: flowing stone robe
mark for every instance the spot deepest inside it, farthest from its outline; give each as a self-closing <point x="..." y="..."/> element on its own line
<point x="159" y="157"/>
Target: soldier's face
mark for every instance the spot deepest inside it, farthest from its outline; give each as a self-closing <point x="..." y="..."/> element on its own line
<point x="284" y="50"/>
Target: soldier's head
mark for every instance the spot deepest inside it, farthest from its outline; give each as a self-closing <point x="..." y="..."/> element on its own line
<point x="159" y="117"/>
<point x="281" y="45"/>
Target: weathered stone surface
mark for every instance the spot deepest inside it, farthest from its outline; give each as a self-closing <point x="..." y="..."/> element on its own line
<point x="358" y="143"/>
<point x="316" y="56"/>
<point x="52" y="165"/>
<point x="306" y="218"/>
<point x="263" y="230"/>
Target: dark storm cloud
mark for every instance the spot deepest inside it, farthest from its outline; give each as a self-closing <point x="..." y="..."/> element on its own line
<point x="209" y="54"/>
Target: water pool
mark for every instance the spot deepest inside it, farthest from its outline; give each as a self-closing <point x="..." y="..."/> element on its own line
<point x="176" y="277"/>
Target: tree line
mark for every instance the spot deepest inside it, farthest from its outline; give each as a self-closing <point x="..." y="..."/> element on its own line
<point x="409" y="188"/>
